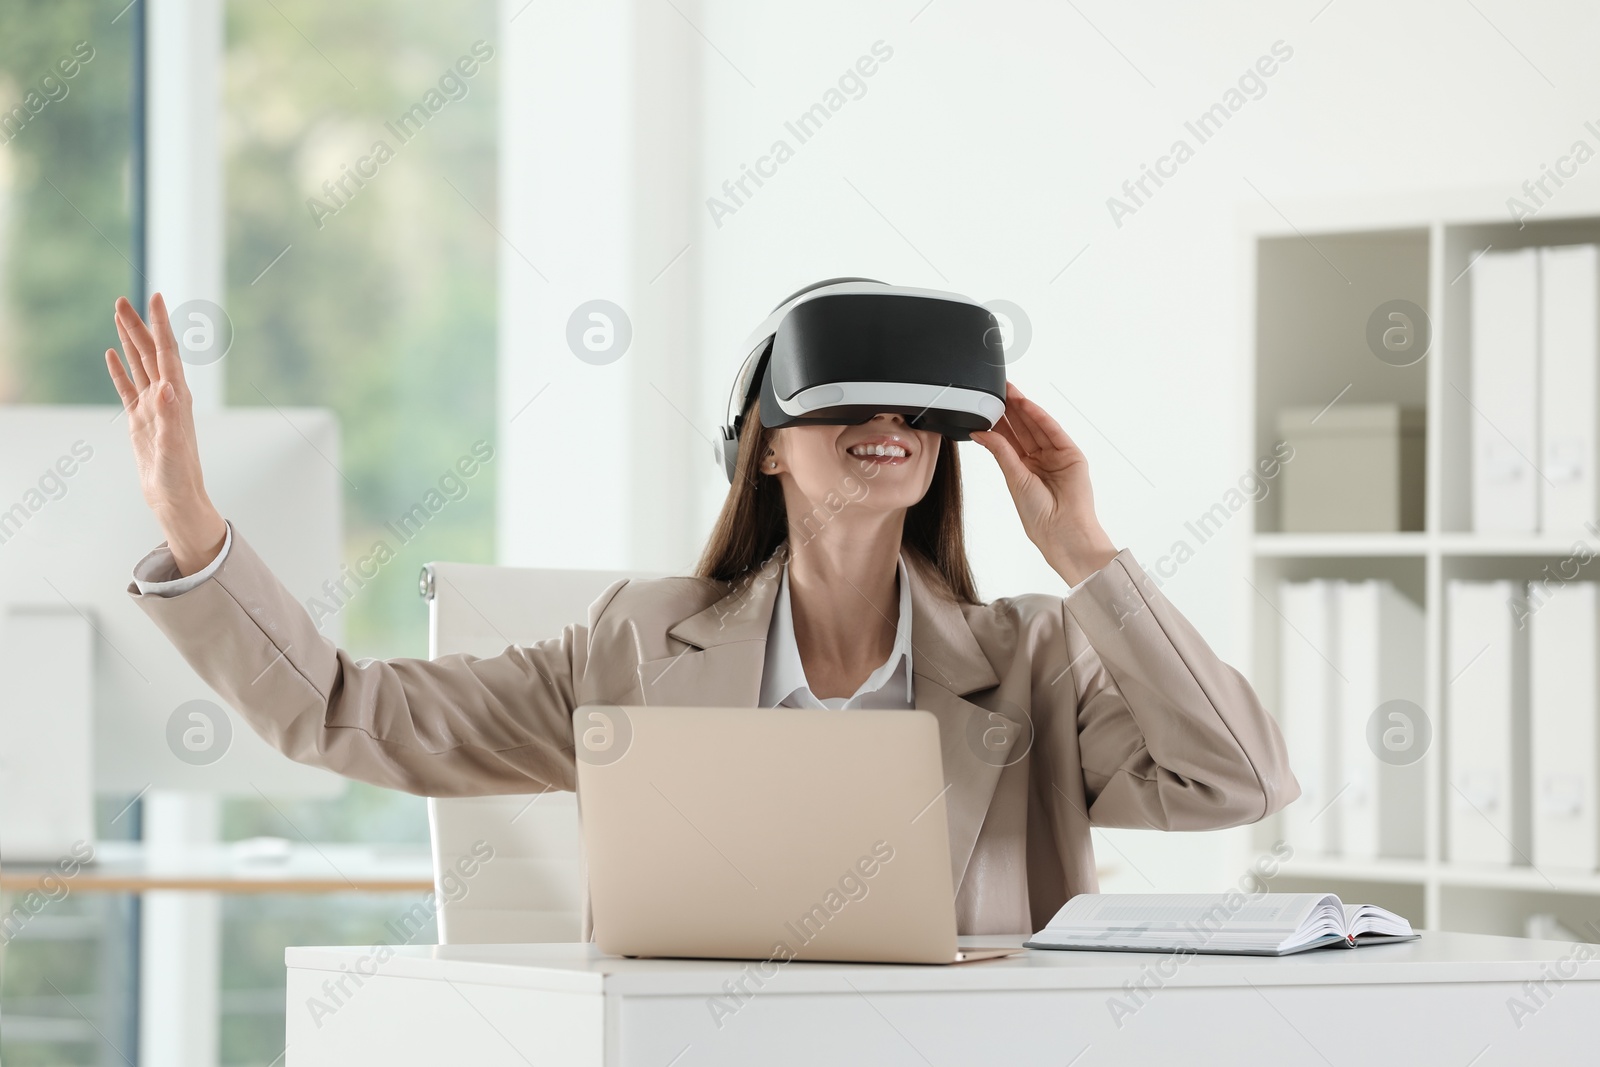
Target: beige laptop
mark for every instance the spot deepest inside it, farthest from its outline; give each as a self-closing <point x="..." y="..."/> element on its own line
<point x="767" y="833"/>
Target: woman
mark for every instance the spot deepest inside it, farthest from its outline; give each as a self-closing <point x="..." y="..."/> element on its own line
<point x="1100" y="708"/>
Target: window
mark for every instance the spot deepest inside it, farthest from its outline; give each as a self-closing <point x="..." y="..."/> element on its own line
<point x="67" y="224"/>
<point x="68" y="245"/>
<point x="360" y="152"/>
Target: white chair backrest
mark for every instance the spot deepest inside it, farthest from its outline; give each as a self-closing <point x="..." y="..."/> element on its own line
<point x="532" y="890"/>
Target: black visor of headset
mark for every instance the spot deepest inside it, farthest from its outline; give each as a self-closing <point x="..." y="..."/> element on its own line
<point x="846" y="349"/>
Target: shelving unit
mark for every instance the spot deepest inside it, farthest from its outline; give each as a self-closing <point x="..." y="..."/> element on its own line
<point x="1314" y="274"/>
<point x="1315" y="546"/>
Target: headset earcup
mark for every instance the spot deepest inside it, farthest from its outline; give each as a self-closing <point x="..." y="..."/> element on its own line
<point x="727" y="450"/>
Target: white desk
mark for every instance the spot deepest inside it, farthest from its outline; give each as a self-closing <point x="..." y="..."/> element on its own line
<point x="1441" y="1000"/>
<point x="134" y="867"/>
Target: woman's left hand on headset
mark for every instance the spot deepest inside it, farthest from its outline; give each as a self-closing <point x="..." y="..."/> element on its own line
<point x="1049" y="481"/>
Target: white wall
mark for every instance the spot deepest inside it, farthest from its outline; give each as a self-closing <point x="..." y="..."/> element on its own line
<point x="598" y="135"/>
<point x="981" y="157"/>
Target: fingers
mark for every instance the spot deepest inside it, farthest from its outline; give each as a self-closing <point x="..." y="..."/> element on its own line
<point x="1007" y="431"/>
<point x="1022" y="430"/>
<point x="168" y="361"/>
<point x="128" y="319"/>
<point x="136" y="370"/>
<point x="119" y="378"/>
<point x="1006" y="428"/>
<point x="1012" y="467"/>
<point x="1043" y="426"/>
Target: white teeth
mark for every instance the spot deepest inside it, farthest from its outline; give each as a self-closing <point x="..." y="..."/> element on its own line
<point x="879" y="450"/>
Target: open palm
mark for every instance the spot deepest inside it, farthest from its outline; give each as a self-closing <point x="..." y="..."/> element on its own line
<point x="161" y="428"/>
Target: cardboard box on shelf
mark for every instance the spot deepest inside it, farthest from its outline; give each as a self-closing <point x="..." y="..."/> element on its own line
<point x="1357" y="467"/>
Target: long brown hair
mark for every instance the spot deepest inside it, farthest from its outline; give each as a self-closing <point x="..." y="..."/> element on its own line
<point x="754" y="522"/>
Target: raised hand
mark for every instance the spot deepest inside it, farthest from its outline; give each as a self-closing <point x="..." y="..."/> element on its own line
<point x="161" y="427"/>
<point x="1049" y="481"/>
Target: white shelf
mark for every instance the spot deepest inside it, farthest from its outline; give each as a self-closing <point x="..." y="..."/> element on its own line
<point x="1422" y="873"/>
<point x="1414" y="545"/>
<point x="1396" y="872"/>
<point x="1491" y="546"/>
<point x="1304" y="328"/>
<point x="1520" y="878"/>
<point x="1339" y="545"/>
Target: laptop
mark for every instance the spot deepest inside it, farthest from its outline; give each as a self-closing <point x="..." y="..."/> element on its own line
<point x="767" y="834"/>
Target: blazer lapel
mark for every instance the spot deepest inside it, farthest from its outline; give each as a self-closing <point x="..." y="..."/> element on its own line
<point x="947" y="666"/>
<point x="728" y="647"/>
<point x="727" y="655"/>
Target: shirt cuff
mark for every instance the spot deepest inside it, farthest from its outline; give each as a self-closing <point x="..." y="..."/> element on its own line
<point x="1123" y="554"/>
<point x="184" y="584"/>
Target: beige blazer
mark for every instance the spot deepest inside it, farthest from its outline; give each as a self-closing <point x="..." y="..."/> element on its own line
<point x="1112" y="709"/>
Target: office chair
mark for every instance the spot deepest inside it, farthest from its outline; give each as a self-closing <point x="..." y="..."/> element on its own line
<point x="532" y="889"/>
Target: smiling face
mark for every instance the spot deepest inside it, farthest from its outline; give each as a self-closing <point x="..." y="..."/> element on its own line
<point x="895" y="462"/>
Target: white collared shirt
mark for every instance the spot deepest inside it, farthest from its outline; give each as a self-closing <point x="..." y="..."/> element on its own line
<point x="783" y="680"/>
<point x="184" y="584"/>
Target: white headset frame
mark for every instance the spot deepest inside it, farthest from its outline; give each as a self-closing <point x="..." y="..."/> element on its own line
<point x="836" y="394"/>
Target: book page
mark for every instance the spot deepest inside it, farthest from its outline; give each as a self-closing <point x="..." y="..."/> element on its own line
<point x="1284" y="909"/>
<point x="1202" y="921"/>
<point x="1370" y="919"/>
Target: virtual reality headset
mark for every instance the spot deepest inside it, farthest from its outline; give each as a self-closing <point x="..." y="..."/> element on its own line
<point x="846" y="349"/>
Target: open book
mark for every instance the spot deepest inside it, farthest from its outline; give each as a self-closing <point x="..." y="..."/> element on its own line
<point x="1265" y="924"/>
